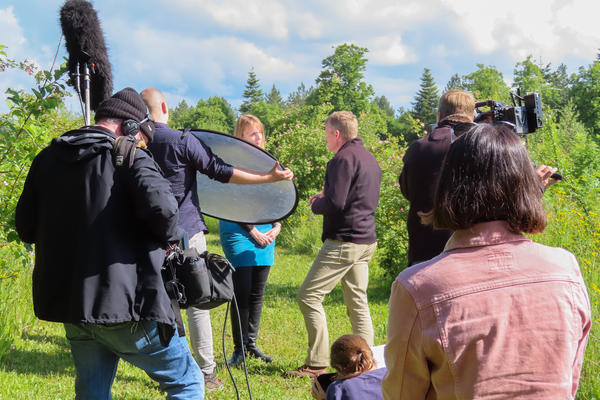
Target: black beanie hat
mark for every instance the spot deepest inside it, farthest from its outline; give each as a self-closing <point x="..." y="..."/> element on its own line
<point x="126" y="104"/>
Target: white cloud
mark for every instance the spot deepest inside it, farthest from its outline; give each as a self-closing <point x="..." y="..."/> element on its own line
<point x="389" y="50"/>
<point x="550" y="29"/>
<point x="184" y="61"/>
<point x="11" y="33"/>
<point x="264" y="17"/>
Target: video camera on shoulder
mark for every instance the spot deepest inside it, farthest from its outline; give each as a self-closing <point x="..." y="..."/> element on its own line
<point x="525" y="115"/>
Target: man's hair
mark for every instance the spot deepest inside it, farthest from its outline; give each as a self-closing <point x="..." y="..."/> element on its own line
<point x="487" y="175"/>
<point x="457" y="105"/>
<point x="351" y="356"/>
<point x="345" y="122"/>
<point x="245" y="121"/>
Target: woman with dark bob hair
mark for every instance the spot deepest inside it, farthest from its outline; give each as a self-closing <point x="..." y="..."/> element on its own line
<point x="495" y="315"/>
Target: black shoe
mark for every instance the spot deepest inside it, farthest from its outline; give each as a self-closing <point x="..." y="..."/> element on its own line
<point x="236" y="358"/>
<point x="253" y="351"/>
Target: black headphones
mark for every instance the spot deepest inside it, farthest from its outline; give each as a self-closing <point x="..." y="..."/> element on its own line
<point x="131" y="127"/>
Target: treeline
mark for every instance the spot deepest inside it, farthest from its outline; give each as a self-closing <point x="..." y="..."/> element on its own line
<point x="341" y="83"/>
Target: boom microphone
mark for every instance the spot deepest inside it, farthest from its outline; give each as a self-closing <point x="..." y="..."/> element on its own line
<point x="86" y="47"/>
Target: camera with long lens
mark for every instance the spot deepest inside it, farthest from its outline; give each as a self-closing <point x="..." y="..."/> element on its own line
<point x="525" y="115"/>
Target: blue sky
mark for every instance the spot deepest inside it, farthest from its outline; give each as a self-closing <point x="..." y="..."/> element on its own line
<point x="192" y="49"/>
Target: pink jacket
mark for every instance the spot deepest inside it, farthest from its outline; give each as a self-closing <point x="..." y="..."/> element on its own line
<point x="494" y="316"/>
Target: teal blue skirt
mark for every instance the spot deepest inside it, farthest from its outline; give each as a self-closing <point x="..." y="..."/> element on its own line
<point x="241" y="250"/>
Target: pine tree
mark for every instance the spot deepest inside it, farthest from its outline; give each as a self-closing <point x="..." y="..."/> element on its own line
<point x="274" y="97"/>
<point x="455" y="82"/>
<point x="299" y="96"/>
<point x="426" y="100"/>
<point x="253" y="93"/>
<point x="384" y="104"/>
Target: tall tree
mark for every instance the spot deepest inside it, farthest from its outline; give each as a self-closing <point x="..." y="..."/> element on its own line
<point x="455" y="82"/>
<point x="253" y="93"/>
<point x="556" y="93"/>
<point x="529" y="76"/>
<point x="384" y="104"/>
<point x="426" y="101"/>
<point x="552" y="85"/>
<point x="487" y="83"/>
<point x="300" y="95"/>
<point x="585" y="93"/>
<point x="274" y="97"/>
<point x="215" y="113"/>
<point x="180" y="117"/>
<point x="341" y="80"/>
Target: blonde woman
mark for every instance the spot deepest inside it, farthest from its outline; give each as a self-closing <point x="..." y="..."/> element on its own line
<point x="251" y="250"/>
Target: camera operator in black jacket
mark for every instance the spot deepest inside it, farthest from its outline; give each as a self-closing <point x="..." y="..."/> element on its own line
<point x="100" y="230"/>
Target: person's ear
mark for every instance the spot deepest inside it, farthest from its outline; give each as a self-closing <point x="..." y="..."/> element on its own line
<point x="164" y="107"/>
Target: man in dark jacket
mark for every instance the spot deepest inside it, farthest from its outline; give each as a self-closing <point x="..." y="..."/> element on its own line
<point x="422" y="164"/>
<point x="100" y="215"/>
<point x="181" y="157"/>
<point x="347" y="203"/>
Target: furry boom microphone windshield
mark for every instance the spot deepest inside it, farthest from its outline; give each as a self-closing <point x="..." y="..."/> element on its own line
<point x="85" y="44"/>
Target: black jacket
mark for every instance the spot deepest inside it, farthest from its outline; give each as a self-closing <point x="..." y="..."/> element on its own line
<point x="99" y="232"/>
<point x="418" y="179"/>
<point x="352" y="182"/>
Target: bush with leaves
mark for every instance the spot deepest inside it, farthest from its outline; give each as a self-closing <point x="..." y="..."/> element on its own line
<point x="390" y="218"/>
<point x="29" y="125"/>
<point x="298" y="140"/>
<point x="574" y="213"/>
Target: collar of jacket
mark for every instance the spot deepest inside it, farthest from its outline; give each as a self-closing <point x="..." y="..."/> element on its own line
<point x="483" y="234"/>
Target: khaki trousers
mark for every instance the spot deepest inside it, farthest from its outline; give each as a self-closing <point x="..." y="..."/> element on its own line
<point x="337" y="261"/>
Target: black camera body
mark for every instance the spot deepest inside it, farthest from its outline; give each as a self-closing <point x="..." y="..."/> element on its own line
<point x="525" y="115"/>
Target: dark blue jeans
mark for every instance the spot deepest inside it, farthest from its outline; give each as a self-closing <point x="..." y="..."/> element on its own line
<point x="96" y="351"/>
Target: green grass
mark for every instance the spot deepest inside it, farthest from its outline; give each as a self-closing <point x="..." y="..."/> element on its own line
<point x="39" y="366"/>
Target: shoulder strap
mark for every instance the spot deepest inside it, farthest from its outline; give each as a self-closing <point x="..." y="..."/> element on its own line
<point x="124" y="149"/>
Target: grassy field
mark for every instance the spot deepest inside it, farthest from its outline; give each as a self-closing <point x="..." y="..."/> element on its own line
<point x="40" y="367"/>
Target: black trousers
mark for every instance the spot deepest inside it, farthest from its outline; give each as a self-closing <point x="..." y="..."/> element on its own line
<point x="249" y="287"/>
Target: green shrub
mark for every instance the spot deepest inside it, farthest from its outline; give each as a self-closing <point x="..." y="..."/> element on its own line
<point x="29" y="126"/>
<point x="298" y="140"/>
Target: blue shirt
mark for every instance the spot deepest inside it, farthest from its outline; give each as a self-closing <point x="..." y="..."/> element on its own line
<point x="365" y="386"/>
<point x="180" y="157"/>
<point x="241" y="249"/>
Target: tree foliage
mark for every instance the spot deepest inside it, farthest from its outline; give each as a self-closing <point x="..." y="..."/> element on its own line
<point x="585" y="94"/>
<point x="274" y="97"/>
<point x="487" y="83"/>
<point x="253" y="93"/>
<point x="426" y="100"/>
<point x="552" y="85"/>
<point x="299" y="96"/>
<point x="455" y="82"/>
<point x="215" y="113"/>
<point x="341" y="80"/>
<point x="384" y="104"/>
